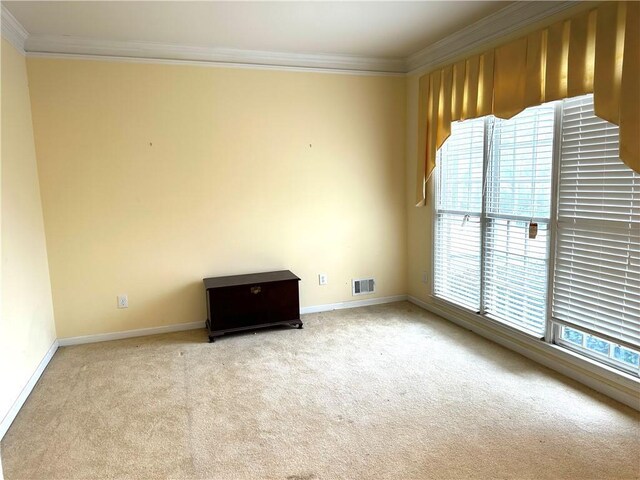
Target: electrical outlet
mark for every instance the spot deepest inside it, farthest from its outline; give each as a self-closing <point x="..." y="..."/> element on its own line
<point x="322" y="279"/>
<point x="123" y="301"/>
<point x="425" y="277"/>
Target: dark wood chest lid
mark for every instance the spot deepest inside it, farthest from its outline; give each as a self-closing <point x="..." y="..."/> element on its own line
<point x="249" y="279"/>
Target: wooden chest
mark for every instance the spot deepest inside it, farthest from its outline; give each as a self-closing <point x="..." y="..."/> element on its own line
<point x="243" y="302"/>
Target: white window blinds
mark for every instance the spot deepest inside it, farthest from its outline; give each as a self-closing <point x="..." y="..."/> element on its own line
<point x="458" y="210"/>
<point x="518" y="194"/>
<point x="597" y="271"/>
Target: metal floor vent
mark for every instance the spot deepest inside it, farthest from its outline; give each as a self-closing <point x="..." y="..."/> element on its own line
<point x="363" y="286"/>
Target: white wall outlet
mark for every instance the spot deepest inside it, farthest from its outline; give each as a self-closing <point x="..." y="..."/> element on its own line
<point x="322" y="279"/>
<point x="425" y="277"/>
<point x="123" y="301"/>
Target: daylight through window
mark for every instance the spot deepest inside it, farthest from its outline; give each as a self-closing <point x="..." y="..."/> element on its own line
<point x="546" y="184"/>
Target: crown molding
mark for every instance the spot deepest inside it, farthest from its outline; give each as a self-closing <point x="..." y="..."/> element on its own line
<point x="198" y="63"/>
<point x="12" y="30"/>
<point x="505" y="21"/>
<point x="70" y="45"/>
<point x="508" y="20"/>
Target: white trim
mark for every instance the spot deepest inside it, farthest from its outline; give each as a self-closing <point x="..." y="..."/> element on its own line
<point x="142" y="332"/>
<point x="139" y="332"/>
<point x="550" y="329"/>
<point x="615" y="384"/>
<point x="508" y="20"/>
<point x="26" y="391"/>
<point x="165" y="51"/>
<point x="621" y="387"/>
<point x="202" y="63"/>
<point x="505" y="21"/>
<point x="12" y="30"/>
<point x="352" y="304"/>
<point x="103" y="337"/>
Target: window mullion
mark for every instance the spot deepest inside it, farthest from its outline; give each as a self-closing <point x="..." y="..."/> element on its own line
<point x="488" y="132"/>
<point x="551" y="331"/>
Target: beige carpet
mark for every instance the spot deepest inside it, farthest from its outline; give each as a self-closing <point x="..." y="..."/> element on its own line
<point x="387" y="392"/>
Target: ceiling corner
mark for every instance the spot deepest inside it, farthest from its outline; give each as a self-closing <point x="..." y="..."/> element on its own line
<point x="12" y="30"/>
<point x="505" y="21"/>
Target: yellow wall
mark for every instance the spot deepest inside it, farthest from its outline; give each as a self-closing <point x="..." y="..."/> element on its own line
<point x="155" y="176"/>
<point x="419" y="220"/>
<point x="27" y="327"/>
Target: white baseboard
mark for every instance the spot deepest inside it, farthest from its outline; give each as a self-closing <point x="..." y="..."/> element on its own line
<point x="353" y="304"/>
<point x="600" y="378"/>
<point x="603" y="379"/>
<point x="26" y="391"/>
<point x="140" y="332"/>
<point x="596" y="376"/>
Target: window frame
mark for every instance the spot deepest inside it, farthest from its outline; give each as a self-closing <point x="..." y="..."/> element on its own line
<point x="553" y="330"/>
<point x="592" y="354"/>
<point x="479" y="215"/>
<point x="481" y="312"/>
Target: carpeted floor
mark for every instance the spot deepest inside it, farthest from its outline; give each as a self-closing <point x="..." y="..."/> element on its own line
<point x="385" y="392"/>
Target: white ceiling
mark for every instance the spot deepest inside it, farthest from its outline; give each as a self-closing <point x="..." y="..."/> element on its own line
<point x="369" y="29"/>
<point x="362" y="36"/>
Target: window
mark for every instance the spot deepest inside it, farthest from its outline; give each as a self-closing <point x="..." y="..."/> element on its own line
<point x="518" y="195"/>
<point x="596" y="288"/>
<point x="459" y="208"/>
<point x="611" y="353"/>
<point x="499" y="223"/>
<point x="484" y="258"/>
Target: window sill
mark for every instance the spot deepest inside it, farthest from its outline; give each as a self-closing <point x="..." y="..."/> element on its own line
<point x="612" y="382"/>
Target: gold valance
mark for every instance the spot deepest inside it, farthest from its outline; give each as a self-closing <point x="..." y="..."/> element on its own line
<point x="597" y="52"/>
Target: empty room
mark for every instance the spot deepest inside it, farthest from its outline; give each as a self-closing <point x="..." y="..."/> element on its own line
<point x="320" y="240"/>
